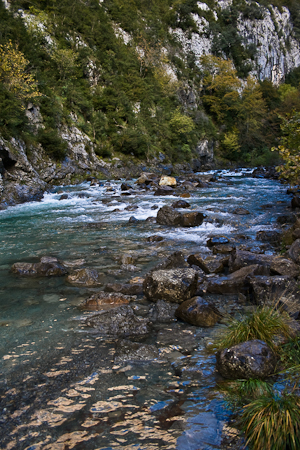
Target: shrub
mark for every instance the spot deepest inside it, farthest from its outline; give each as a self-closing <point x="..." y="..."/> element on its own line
<point x="52" y="143"/>
<point x="265" y="324"/>
<point x="272" y="422"/>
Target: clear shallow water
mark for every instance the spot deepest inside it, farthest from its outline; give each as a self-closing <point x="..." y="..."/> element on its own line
<point x="60" y="385"/>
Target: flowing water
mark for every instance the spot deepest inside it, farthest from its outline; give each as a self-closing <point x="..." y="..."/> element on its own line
<point x="61" y="387"/>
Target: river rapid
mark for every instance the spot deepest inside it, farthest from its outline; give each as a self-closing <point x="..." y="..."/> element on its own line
<point x="61" y="386"/>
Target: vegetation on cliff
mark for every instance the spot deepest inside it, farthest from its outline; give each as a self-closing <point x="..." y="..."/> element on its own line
<point x="118" y="72"/>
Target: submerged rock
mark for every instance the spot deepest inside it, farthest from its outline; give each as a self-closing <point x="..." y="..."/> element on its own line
<point x="125" y="288"/>
<point x="174" y="285"/>
<point x="85" y="277"/>
<point x="251" y="359"/>
<point x="199" y="312"/>
<point x="135" y="351"/>
<point x="102" y="300"/>
<point x="163" y="311"/>
<point x="119" y="321"/>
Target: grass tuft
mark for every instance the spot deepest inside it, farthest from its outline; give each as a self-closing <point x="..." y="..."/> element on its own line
<point x="272" y="422"/>
<point x="265" y="324"/>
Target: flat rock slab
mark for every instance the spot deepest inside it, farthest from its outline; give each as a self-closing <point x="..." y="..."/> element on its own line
<point x="250" y="359"/>
<point x="48" y="267"/>
<point x="102" y="300"/>
<point x="119" y="321"/>
<point x="135" y="351"/>
<point x="173" y="285"/>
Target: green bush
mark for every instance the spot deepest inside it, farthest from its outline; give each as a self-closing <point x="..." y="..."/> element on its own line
<point x="52" y="143"/>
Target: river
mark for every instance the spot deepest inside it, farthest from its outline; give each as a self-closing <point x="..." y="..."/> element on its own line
<point x="61" y="387"/>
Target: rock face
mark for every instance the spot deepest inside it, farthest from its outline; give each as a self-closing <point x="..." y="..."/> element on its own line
<point x="47" y="267"/>
<point x="251" y="359"/>
<point x="118" y="322"/>
<point x="174" y="286"/>
<point x="199" y="312"/>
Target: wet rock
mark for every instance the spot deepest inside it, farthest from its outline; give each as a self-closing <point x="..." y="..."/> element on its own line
<point x="134" y="351"/>
<point x="187" y="369"/>
<point x="240" y="211"/>
<point x="146" y="178"/>
<point x="174" y="285"/>
<point x="286" y="219"/>
<point x="167" y="181"/>
<point x="284" y="266"/>
<point x="47" y="267"/>
<point x="192" y="219"/>
<point x="133" y="219"/>
<point x="243" y="258"/>
<point x="276" y="290"/>
<point x="126" y="259"/>
<point x="126" y="187"/>
<point x="181" y="204"/>
<point x="125" y="288"/>
<point x="63" y="197"/>
<point x="217" y="240"/>
<point x="234" y="283"/>
<point x="101" y="300"/>
<point x="209" y="264"/>
<point x="199" y="312"/>
<point x="188" y="185"/>
<point x="164" y="190"/>
<point x="85" y="277"/>
<point x="251" y="359"/>
<point x="174" y="261"/>
<point x="185" y="195"/>
<point x="119" y="321"/>
<point x="163" y="311"/>
<point x="294" y="251"/>
<point x="296" y="234"/>
<point x="155" y="238"/>
<point x="223" y="249"/>
<point x="295" y="202"/>
<point x="183" y="337"/>
<point x="129" y="268"/>
<point x="271" y="236"/>
<point x="131" y="208"/>
<point x="168" y="216"/>
<point x="153" y="207"/>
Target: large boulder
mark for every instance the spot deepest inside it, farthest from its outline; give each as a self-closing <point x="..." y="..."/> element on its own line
<point x="164" y="190"/>
<point x="209" y="264"/>
<point x="174" y="261"/>
<point x="163" y="311"/>
<point x="119" y="321"/>
<point x="275" y="290"/>
<point x="85" y="277"/>
<point x="47" y="267"/>
<point x="294" y="251"/>
<point x="168" y="216"/>
<point x="199" y="312"/>
<point x="235" y="283"/>
<point x="242" y="258"/>
<point x="167" y="181"/>
<point x="173" y="285"/>
<point x="192" y="219"/>
<point x="251" y="359"/>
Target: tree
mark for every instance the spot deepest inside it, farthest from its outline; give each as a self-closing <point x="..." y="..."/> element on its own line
<point x="221" y="86"/>
<point x="14" y="74"/>
<point x="289" y="149"/>
<point x="251" y="111"/>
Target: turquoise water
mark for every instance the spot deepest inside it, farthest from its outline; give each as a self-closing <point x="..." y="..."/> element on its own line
<point x="60" y="385"/>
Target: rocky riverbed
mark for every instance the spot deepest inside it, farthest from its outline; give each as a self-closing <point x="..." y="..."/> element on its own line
<point x="112" y="295"/>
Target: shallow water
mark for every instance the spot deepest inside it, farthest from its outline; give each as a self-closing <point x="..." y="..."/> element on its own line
<point x="60" y="385"/>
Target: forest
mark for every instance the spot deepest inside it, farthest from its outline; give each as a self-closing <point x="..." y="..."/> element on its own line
<point x="116" y="69"/>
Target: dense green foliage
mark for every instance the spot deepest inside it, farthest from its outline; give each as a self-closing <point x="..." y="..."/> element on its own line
<point x="129" y="95"/>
